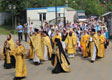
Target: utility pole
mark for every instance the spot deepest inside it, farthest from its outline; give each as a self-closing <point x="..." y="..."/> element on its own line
<point x="26" y="6"/>
<point x="66" y="5"/>
<point x="56" y="11"/>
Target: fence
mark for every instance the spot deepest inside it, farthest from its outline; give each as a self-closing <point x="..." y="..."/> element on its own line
<point x="4" y="17"/>
<point x="52" y="22"/>
<point x="38" y="23"/>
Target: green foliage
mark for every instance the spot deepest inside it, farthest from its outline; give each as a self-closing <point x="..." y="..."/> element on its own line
<point x="0" y="6"/>
<point x="6" y="29"/>
<point x="109" y="6"/>
<point x="19" y="12"/>
<point x="91" y="7"/>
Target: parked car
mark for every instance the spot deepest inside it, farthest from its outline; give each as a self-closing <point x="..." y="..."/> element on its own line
<point x="82" y="18"/>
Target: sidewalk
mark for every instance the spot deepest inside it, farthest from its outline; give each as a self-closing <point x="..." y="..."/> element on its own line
<point x="81" y="69"/>
<point x="3" y="38"/>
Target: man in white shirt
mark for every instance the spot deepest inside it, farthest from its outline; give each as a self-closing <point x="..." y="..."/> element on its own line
<point x="31" y="28"/>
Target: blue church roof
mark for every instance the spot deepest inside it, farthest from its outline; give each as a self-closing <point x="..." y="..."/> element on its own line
<point x="45" y="8"/>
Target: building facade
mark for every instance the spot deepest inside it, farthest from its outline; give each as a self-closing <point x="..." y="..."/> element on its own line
<point x="47" y="14"/>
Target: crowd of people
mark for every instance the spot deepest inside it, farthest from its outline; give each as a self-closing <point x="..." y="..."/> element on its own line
<point x="56" y="43"/>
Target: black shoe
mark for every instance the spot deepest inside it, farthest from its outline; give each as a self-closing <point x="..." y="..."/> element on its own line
<point x="16" y="78"/>
<point x="49" y="59"/>
<point x="30" y="59"/>
<point x="36" y="63"/>
<point x="54" y="72"/>
<point x="25" y="40"/>
<point x="98" y="57"/>
<point x="92" y="61"/>
<point x="84" y="57"/>
<point x="13" y="66"/>
<point x="22" y="77"/>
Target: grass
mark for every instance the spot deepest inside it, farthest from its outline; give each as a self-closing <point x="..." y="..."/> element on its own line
<point x="6" y="29"/>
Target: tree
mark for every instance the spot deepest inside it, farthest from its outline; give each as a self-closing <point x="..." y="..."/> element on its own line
<point x="91" y="7"/>
<point x="109" y="6"/>
<point x="20" y="8"/>
<point x="0" y="6"/>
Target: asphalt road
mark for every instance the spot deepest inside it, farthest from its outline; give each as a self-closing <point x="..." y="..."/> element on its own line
<point x="81" y="69"/>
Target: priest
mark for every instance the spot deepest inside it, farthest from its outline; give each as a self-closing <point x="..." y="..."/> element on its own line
<point x="9" y="47"/>
<point x="21" y="70"/>
<point x="102" y="42"/>
<point x="37" y="45"/>
<point x="71" y="42"/>
<point x="84" y="41"/>
<point x="31" y="52"/>
<point x="47" y="46"/>
<point x="94" y="46"/>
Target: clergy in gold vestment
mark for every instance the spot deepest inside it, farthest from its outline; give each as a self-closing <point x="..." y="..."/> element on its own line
<point x="21" y="70"/>
<point x="84" y="43"/>
<point x="102" y="41"/>
<point x="7" y="59"/>
<point x="94" y="46"/>
<point x="71" y="42"/>
<point x="47" y="43"/>
<point x="37" y="45"/>
<point x="60" y="61"/>
<point x="10" y="56"/>
<point x="31" y="55"/>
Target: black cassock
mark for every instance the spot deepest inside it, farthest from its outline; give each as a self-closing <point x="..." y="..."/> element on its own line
<point x="59" y="59"/>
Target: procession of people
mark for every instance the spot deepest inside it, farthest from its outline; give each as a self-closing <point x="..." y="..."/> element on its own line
<point x="56" y="43"/>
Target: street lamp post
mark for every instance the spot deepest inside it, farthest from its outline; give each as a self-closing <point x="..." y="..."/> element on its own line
<point x="66" y="5"/>
<point x="12" y="8"/>
<point x="26" y="6"/>
<point x="64" y="17"/>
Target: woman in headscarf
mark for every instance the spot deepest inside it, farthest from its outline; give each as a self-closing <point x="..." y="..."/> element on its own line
<point x="60" y="61"/>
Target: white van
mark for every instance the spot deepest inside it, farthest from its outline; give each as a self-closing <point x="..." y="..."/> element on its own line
<point x="81" y="15"/>
<point x="82" y="18"/>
